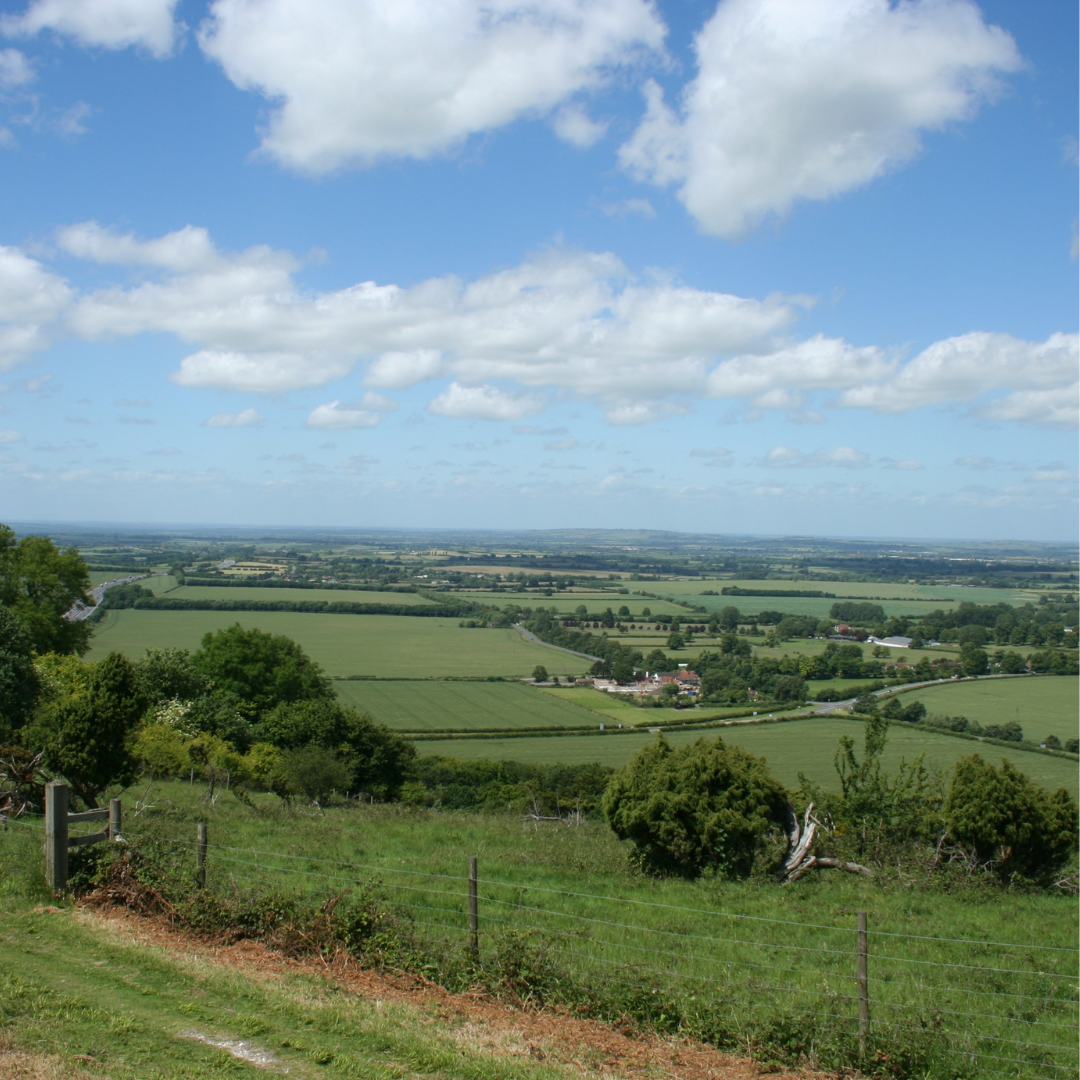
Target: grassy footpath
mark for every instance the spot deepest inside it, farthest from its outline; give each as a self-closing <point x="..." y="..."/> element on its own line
<point x="89" y="1001"/>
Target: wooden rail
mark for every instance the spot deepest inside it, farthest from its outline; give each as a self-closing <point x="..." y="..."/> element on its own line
<point x="58" y="840"/>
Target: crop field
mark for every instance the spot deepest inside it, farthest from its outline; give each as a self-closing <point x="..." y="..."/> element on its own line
<point x="1042" y="705"/>
<point x="253" y="592"/>
<point x="477" y="706"/>
<point x="381" y="645"/>
<point x="791" y="747"/>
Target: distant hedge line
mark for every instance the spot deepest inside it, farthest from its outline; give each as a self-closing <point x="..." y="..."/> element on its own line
<point x="315" y="607"/>
<point x="736" y="590"/>
<point x="277" y="583"/>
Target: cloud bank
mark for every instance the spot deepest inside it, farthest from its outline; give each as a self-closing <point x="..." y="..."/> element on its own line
<point x="563" y="323"/>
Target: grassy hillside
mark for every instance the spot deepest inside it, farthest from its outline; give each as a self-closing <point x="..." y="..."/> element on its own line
<point x="387" y="645"/>
<point x="562" y="913"/>
<point x="107" y="1000"/>
<point x="792" y="747"/>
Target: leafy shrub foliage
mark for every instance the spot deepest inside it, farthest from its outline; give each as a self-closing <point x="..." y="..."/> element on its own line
<point x="702" y="807"/>
<point x="261" y="670"/>
<point x="1009" y="824"/>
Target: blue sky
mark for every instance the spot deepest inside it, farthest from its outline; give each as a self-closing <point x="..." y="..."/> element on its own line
<point x="778" y="266"/>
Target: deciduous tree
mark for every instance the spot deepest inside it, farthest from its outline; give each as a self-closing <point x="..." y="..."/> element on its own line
<point x="39" y="583"/>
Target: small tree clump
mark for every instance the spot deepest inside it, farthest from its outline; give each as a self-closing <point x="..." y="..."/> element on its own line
<point x="703" y="807"/>
<point x="19" y="683"/>
<point x="379" y="761"/>
<point x="85" y="735"/>
<point x="260" y="670"/>
<point x="1008" y="824"/>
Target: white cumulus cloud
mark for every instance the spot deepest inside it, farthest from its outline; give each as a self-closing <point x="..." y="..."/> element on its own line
<point x="846" y="457"/>
<point x="187" y="249"/>
<point x="484" y="403"/>
<point x="367" y="413"/>
<point x="1041" y="378"/>
<point x="110" y="24"/>
<point x="353" y="81"/>
<point x="1044" y="408"/>
<point x="574" y="125"/>
<point x="32" y="298"/>
<point x="15" y="69"/>
<point x="807" y="99"/>
<point x="243" y="418"/>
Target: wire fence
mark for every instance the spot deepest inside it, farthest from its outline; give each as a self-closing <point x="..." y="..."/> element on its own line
<point x="991" y="1007"/>
<point x="995" y="1007"/>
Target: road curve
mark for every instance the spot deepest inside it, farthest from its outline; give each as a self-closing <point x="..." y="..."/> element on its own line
<point x="547" y="645"/>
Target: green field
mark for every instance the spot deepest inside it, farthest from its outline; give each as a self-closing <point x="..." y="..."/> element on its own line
<point x="254" y="592"/>
<point x="566" y="602"/>
<point x="477" y="706"/>
<point x="796" y="746"/>
<point x="1042" y="705"/>
<point x="619" y="709"/>
<point x="383" y="645"/>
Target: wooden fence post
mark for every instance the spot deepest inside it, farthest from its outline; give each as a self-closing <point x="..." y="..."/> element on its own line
<point x="200" y="855"/>
<point x="861" y="979"/>
<point x="474" y="912"/>
<point x="56" y="835"/>
<point x="115" y="811"/>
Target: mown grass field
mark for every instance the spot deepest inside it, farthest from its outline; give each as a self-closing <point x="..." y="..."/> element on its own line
<point x="744" y="963"/>
<point x="478" y="706"/>
<point x="1042" y="705"/>
<point x="253" y="592"/>
<point x="384" y="645"/>
<point x="791" y="747"/>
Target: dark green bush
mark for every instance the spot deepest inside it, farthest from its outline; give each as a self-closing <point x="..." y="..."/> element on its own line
<point x="705" y="806"/>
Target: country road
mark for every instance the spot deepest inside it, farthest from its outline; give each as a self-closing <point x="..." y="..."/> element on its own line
<point x="536" y="641"/>
<point x="80" y="611"/>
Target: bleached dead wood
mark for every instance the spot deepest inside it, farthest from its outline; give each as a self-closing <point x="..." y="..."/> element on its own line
<point x="798" y="860"/>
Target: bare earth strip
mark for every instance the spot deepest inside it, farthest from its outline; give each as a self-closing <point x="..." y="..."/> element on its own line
<point x="478" y="1022"/>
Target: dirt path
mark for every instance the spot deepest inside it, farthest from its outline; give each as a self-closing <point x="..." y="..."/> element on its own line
<point x="475" y="1020"/>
